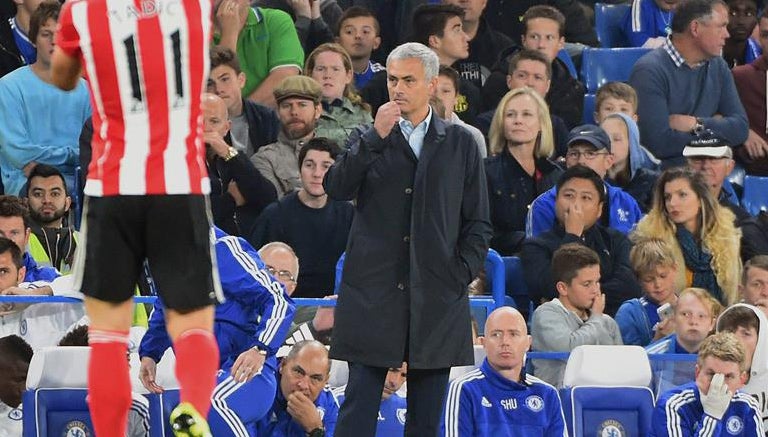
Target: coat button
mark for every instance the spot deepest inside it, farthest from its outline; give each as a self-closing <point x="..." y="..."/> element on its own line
<point x="406" y="238"/>
<point x="512" y="195"/>
<point x="408" y="191"/>
<point x="401" y="286"/>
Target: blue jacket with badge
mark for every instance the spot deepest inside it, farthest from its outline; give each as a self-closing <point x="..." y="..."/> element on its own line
<point x="679" y="413"/>
<point x="278" y="423"/>
<point x="484" y="403"/>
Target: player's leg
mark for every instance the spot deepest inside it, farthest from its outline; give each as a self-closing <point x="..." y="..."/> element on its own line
<point x="179" y="250"/>
<point x="106" y="272"/>
<point x="237" y="406"/>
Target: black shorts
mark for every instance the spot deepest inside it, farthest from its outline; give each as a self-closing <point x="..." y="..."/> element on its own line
<point x="173" y="232"/>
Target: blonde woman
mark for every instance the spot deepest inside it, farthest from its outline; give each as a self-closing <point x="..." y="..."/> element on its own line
<point x="521" y="142"/>
<point x="702" y="235"/>
<point x="343" y="109"/>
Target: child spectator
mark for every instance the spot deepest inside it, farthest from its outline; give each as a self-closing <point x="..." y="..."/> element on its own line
<point x="615" y="97"/>
<point x="576" y="316"/>
<point x="754" y="282"/>
<point x="640" y="320"/>
<point x="359" y="34"/>
<point x="749" y="324"/>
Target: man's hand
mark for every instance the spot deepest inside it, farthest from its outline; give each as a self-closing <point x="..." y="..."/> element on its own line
<point x="574" y="220"/>
<point x="15" y="307"/>
<point x="304" y="411"/>
<point x="217" y="143"/>
<point x="717" y="399"/>
<point x="598" y="305"/>
<point x="234" y="191"/>
<point x="664" y="328"/>
<point x="147" y="375"/>
<point x="28" y="168"/>
<point x="301" y="8"/>
<point x="386" y="118"/>
<point x="247" y="365"/>
<point x="682" y="122"/>
<point x="323" y="320"/>
<point x="756" y="147"/>
<point x="229" y="18"/>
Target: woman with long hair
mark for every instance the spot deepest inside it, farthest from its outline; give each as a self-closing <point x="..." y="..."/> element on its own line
<point x="702" y="235"/>
<point x="521" y="142"/>
<point x="343" y="109"/>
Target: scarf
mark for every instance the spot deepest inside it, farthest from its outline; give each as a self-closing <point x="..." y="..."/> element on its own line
<point x="699" y="262"/>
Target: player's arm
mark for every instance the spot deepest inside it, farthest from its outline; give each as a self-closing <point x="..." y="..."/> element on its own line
<point x="263" y="94"/>
<point x="65" y="70"/>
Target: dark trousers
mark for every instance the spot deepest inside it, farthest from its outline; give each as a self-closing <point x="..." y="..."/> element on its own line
<point x="359" y="413"/>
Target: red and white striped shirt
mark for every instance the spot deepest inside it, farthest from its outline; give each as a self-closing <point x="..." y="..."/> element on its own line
<point x="146" y="62"/>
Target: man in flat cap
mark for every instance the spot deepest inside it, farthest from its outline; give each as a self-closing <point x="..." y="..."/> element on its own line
<point x="712" y="156"/>
<point x="298" y="108"/>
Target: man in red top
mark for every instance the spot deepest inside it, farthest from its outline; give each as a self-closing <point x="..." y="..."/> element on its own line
<point x="146" y="64"/>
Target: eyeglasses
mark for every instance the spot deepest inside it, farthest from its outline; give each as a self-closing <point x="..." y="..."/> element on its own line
<point x="587" y="154"/>
<point x="282" y="274"/>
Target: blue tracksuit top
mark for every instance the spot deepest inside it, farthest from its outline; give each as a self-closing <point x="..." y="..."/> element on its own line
<point x="36" y="272"/>
<point x="484" y="403"/>
<point x="391" y="419"/>
<point x="679" y="413"/>
<point x="623" y="211"/>
<point x="257" y="311"/>
<point x="278" y="423"/>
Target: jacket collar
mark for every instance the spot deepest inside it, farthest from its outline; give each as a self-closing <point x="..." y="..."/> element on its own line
<point x="296" y="145"/>
<point x="495" y="378"/>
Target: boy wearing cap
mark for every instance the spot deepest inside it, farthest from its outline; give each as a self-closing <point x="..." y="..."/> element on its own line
<point x="712" y="157"/>
<point x="578" y="207"/>
<point x="590" y="146"/>
<point x="298" y="108"/>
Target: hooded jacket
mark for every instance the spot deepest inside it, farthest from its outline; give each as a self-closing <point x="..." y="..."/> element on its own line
<point x="643" y="166"/>
<point x="757" y="385"/>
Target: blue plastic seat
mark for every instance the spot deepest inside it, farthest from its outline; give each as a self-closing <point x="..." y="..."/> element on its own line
<point x="755" y="197"/>
<point x="516" y="288"/>
<point x="609" y="20"/>
<point x="599" y="66"/>
<point x="588" y="114"/>
<point x="611" y="411"/>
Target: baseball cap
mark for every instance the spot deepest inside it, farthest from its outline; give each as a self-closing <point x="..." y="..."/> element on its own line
<point x="589" y="133"/>
<point x="708" y="144"/>
<point x="303" y="87"/>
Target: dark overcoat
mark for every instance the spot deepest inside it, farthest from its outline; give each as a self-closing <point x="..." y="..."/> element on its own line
<point x="420" y="234"/>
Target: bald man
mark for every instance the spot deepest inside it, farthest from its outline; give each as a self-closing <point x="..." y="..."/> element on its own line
<point x="238" y="191"/>
<point x="499" y="398"/>
<point x="282" y="263"/>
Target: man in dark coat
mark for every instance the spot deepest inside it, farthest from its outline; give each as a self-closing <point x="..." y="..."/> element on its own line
<point x="420" y="234"/>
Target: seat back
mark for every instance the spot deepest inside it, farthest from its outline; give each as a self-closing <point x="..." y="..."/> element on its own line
<point x="588" y="114"/>
<point x="755" y="198"/>
<point x="611" y="411"/>
<point x="516" y="287"/>
<point x="495" y="276"/>
<point x="607" y="366"/>
<point x="609" y="20"/>
<point x="599" y="65"/>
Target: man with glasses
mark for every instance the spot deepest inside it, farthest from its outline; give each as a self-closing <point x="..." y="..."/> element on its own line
<point x="590" y="146"/>
<point x="249" y="327"/>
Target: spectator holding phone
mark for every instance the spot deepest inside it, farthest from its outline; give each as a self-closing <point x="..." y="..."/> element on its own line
<point x="649" y="318"/>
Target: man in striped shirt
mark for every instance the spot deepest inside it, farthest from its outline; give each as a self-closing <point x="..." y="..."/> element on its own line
<point x="146" y="64"/>
<point x="711" y="405"/>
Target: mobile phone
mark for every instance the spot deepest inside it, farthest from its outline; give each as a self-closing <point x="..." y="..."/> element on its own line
<point x="665" y="311"/>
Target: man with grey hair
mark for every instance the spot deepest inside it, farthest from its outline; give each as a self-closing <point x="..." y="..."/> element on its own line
<point x="420" y="234"/>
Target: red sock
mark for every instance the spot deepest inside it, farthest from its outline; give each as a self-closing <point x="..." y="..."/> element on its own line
<point x="197" y="360"/>
<point x="109" y="385"/>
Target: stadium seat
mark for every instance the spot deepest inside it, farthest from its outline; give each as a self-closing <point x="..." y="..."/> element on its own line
<point x="599" y="66"/>
<point x="461" y="370"/>
<point x="588" y="114"/>
<point x="608" y="24"/>
<point x="516" y="288"/>
<point x="568" y="61"/>
<point x="755" y="198"/>
<point x="496" y="277"/>
<point x="611" y="411"/>
<point x="607" y="366"/>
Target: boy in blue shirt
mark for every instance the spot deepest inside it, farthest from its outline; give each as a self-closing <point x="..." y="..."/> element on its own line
<point x="649" y="22"/>
<point x="712" y="404"/>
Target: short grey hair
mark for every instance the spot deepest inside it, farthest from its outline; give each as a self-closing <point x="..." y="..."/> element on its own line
<point x="417" y="50"/>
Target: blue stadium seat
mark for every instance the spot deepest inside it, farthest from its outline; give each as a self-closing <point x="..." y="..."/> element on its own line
<point x="608" y="24"/>
<point x="516" y="288"/>
<point x="599" y="66"/>
<point x="755" y="198"/>
<point x="611" y="411"/>
<point x="495" y="275"/>
<point x="56" y="412"/>
<point x="588" y="115"/>
<point x="566" y="58"/>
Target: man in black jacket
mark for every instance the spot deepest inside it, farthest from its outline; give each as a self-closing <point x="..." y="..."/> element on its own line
<point x="579" y="204"/>
<point x="419" y="235"/>
<point x="544" y="27"/>
<point x="253" y="125"/>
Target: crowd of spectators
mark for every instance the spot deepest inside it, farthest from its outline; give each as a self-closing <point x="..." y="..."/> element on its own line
<point x="632" y="230"/>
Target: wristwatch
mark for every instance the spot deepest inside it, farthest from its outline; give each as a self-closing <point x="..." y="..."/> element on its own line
<point x="317" y="432"/>
<point x="260" y="351"/>
<point x="698" y="128"/>
<point x="231" y="153"/>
